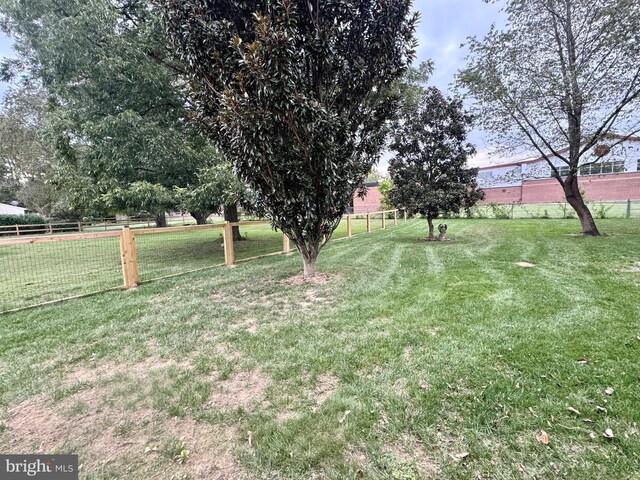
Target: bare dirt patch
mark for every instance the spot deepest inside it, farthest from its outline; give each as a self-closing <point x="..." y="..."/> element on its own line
<point x="242" y="390"/>
<point x="326" y="384"/>
<point x="524" y="264"/>
<point x="97" y="433"/>
<point x="318" y="278"/>
<point x="90" y="374"/>
<point x="409" y="450"/>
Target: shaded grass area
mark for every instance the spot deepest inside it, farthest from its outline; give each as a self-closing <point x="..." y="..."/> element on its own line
<point x="417" y="360"/>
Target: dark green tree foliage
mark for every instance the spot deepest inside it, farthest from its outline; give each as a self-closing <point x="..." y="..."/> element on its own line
<point x="297" y="93"/>
<point x="562" y="73"/>
<point x="119" y="117"/>
<point x="429" y="171"/>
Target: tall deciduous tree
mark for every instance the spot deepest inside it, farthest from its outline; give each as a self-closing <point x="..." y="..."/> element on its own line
<point x="561" y="73"/>
<point x="429" y="172"/>
<point x="118" y="116"/>
<point x="297" y="93"/>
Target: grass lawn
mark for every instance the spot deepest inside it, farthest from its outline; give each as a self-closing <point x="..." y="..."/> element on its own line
<point x="415" y="360"/>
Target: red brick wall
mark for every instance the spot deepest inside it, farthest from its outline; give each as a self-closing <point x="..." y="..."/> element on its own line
<point x="502" y="195"/>
<point x="542" y="191"/>
<point x="597" y="188"/>
<point x="612" y="187"/>
<point x="370" y="203"/>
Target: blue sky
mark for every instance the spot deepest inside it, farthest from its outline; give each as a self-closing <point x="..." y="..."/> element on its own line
<point x="444" y="25"/>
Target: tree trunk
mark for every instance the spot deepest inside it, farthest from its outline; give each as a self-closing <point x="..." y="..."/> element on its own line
<point x="231" y="215"/>
<point x="309" y="262"/>
<point x="161" y="221"/>
<point x="201" y="218"/>
<point x="431" y="235"/>
<point x="574" y="198"/>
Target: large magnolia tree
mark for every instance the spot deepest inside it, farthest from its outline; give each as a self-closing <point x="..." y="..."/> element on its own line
<point x="297" y="94"/>
<point x="429" y="171"/>
<point x="561" y="73"/>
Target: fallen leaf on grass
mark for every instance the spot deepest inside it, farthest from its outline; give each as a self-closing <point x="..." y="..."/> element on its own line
<point x="543" y="437"/>
<point x="609" y="391"/>
<point x="250" y="433"/>
<point x="592" y="435"/>
<point x="587" y="420"/>
<point x="571" y="409"/>
<point x="459" y="456"/>
<point x="344" y="417"/>
<point x="608" y="433"/>
<point x="601" y="409"/>
<point x="582" y="361"/>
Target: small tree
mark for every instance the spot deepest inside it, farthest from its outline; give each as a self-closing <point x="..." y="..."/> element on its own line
<point x="562" y="73"/>
<point x="429" y="171"/>
<point x="297" y="93"/>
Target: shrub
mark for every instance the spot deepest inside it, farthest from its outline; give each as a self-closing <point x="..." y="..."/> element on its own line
<point x="8" y="222"/>
<point x="500" y="211"/>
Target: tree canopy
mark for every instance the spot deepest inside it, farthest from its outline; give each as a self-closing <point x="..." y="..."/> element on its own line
<point x="118" y="116"/>
<point x="562" y="73"/>
<point x="298" y="93"/>
<point x="429" y="171"/>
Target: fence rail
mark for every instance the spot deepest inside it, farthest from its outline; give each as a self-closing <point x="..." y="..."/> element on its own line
<point x="40" y="270"/>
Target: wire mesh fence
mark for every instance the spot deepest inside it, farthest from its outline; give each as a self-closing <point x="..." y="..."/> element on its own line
<point x="171" y="251"/>
<point x="37" y="270"/>
<point x="257" y="240"/>
<point x="42" y="271"/>
<point x="619" y="209"/>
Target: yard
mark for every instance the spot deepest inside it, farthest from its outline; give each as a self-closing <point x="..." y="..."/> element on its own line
<point x="414" y="360"/>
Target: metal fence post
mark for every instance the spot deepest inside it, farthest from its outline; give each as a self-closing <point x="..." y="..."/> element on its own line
<point x="349" y="226"/>
<point x="395" y="217"/>
<point x="628" y="208"/>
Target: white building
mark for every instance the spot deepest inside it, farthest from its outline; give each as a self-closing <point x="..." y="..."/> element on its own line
<point x="6" y="209"/>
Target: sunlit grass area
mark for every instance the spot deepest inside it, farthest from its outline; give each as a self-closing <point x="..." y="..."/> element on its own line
<point x="415" y="359"/>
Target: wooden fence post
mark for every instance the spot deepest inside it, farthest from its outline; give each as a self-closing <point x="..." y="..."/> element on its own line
<point x="17" y="230"/>
<point x="628" y="208"/>
<point x="384" y="220"/>
<point x="229" y="256"/>
<point x="405" y="215"/>
<point x="349" y="226"/>
<point x="395" y="217"/>
<point x="130" y="272"/>
<point x="368" y="222"/>
<point x="286" y="245"/>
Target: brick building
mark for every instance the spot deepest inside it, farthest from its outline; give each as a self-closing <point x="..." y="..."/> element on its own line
<point x="370" y="203"/>
<point x="615" y="176"/>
